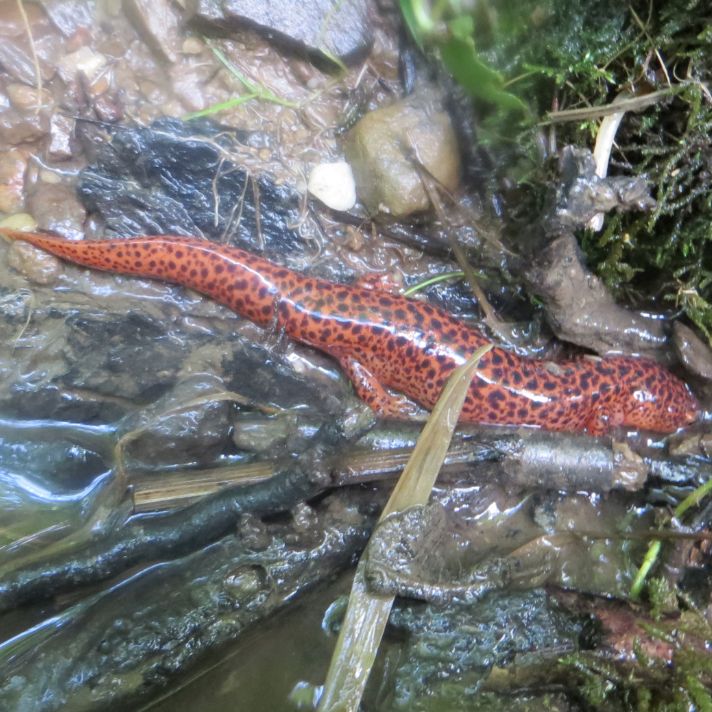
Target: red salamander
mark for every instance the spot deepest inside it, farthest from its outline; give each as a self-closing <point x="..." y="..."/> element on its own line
<point x="384" y="341"/>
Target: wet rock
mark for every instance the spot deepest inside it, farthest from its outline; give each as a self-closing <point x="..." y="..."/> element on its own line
<point x="583" y="194"/>
<point x="164" y="179"/>
<point x="17" y="62"/>
<point x="581" y="310"/>
<point x="27" y="98"/>
<point x="382" y="149"/>
<point x="157" y="21"/>
<point x="70" y="16"/>
<point x="341" y="27"/>
<point x="18" y="127"/>
<point x="55" y="207"/>
<point x="137" y="637"/>
<point x="192" y="45"/>
<point x="83" y="61"/>
<point x="13" y="164"/>
<point x="449" y="647"/>
<point x="693" y="352"/>
<point x="39" y="267"/>
<point x="190" y="423"/>
<point x="61" y="131"/>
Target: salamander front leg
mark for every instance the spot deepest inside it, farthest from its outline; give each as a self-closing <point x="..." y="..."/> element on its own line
<point x="369" y="389"/>
<point x="389" y="282"/>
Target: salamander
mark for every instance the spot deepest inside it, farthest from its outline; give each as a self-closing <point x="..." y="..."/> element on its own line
<point x="396" y="351"/>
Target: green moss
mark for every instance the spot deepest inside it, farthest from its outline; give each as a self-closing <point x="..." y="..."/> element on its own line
<point x="584" y="53"/>
<point x="645" y="684"/>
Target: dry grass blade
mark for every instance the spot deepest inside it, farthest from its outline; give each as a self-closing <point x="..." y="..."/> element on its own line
<point x="33" y="52"/>
<point x="367" y="614"/>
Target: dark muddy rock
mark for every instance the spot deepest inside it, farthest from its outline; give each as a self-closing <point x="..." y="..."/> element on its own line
<point x="176" y="178"/>
<point x="583" y="194"/>
<point x="157" y="21"/>
<point x="434" y="553"/>
<point x="447" y="649"/>
<point x="190" y="423"/>
<point x="694" y="353"/>
<point x="383" y="149"/>
<point x="127" y="642"/>
<point x="340" y="27"/>
<point x="580" y="308"/>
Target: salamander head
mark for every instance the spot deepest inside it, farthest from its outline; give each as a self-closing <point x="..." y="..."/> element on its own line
<point x="654" y="399"/>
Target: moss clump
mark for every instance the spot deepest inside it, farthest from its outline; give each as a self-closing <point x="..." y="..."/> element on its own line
<point x="584" y="53"/>
<point x="593" y="51"/>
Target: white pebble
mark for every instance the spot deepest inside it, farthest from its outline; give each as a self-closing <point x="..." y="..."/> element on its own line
<point x="333" y="184"/>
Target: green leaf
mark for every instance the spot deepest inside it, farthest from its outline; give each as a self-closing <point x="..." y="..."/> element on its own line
<point x="477" y="77"/>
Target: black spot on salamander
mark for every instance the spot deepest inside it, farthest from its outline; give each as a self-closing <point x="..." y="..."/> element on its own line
<point x="495" y="398"/>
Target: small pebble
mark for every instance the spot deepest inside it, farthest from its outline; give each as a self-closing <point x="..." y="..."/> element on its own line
<point x="84" y="60"/>
<point x="333" y="184"/>
<point x="25" y="98"/>
<point x="192" y="45"/>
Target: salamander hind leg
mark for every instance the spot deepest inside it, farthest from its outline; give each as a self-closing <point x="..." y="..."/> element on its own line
<point x="602" y="420"/>
<point x="369" y="389"/>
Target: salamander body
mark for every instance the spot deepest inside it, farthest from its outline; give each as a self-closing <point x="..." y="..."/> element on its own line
<point x="384" y="341"/>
